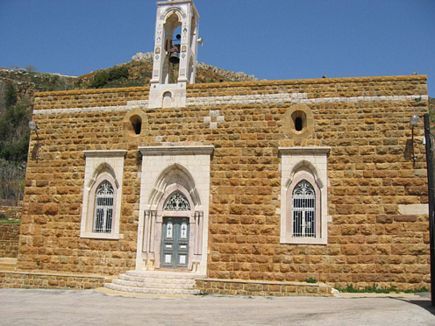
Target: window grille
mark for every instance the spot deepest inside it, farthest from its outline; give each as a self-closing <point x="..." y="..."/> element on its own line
<point x="104" y="208"/>
<point x="304" y="210"/>
<point x="177" y="202"/>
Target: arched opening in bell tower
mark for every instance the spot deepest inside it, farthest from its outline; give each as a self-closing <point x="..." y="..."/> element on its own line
<point x="173" y="35"/>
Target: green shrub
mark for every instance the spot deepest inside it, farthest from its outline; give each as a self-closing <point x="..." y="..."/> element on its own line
<point x="10" y="95"/>
<point x="311" y="280"/>
<point x="101" y="78"/>
<point x="11" y="180"/>
<point x="104" y="77"/>
<point x="118" y="73"/>
<point x="8" y="221"/>
<point x="14" y="132"/>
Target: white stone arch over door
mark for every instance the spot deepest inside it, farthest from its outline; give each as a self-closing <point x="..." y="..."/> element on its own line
<point x="166" y="169"/>
<point x="174" y="178"/>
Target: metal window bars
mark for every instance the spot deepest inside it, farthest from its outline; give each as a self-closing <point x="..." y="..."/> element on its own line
<point x="304" y="210"/>
<point x="104" y="200"/>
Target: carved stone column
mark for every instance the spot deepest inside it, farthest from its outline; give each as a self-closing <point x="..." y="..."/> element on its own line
<point x="198" y="232"/>
<point x="148" y="237"/>
<point x="197" y="245"/>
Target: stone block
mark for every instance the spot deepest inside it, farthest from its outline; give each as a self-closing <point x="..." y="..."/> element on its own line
<point x="405" y="218"/>
<point x="385" y="219"/>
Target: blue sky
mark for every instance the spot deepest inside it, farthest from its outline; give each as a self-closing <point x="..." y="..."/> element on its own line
<point x="271" y="39"/>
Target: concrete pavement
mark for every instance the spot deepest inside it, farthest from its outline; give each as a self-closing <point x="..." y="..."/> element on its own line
<point x="66" y="307"/>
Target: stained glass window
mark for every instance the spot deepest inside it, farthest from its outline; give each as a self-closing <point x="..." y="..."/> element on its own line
<point x="177" y="202"/>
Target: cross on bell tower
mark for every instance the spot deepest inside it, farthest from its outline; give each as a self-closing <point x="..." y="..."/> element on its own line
<point x="175" y="53"/>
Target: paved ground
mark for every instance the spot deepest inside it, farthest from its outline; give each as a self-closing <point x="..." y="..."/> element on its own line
<point x="58" y="307"/>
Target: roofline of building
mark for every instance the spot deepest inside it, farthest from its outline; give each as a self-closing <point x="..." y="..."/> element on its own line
<point x="251" y="83"/>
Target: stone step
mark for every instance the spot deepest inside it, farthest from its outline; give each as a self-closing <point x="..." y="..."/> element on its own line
<point x="150" y="282"/>
<point x="156" y="284"/>
<point x="122" y="288"/>
<point x="161" y="275"/>
<point x="150" y="279"/>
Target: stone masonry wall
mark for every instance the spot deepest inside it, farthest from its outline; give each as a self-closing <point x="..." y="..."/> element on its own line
<point x="11" y="212"/>
<point x="262" y="288"/>
<point x="49" y="280"/>
<point x="89" y="98"/>
<point x="369" y="169"/>
<point x="9" y="234"/>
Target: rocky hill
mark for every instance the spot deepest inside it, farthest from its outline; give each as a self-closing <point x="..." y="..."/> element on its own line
<point x="17" y="87"/>
<point x="137" y="72"/>
<point x="22" y="83"/>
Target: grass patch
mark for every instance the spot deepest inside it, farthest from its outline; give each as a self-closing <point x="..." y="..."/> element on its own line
<point x="377" y="289"/>
<point x="10" y="221"/>
<point x="311" y="280"/>
<point x="6" y="220"/>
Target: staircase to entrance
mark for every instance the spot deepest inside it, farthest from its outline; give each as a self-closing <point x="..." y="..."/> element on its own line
<point x="155" y="282"/>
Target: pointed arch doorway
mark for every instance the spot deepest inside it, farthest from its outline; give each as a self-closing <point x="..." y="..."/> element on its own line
<point x="173" y="224"/>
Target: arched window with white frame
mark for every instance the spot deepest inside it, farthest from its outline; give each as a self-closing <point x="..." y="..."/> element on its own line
<point x="102" y="191"/>
<point x="304" y="195"/>
<point x="104" y="204"/>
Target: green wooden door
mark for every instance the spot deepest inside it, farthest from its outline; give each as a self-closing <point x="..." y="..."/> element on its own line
<point x="175" y="243"/>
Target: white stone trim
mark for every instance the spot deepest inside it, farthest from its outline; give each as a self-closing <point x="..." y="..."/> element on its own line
<point x="321" y="150"/>
<point x="95" y="109"/>
<point x="311" y="160"/>
<point x="104" y="153"/>
<point x="293" y="98"/>
<point x="137" y="104"/>
<point x="414" y="209"/>
<point x="98" y="163"/>
<point x="176" y="96"/>
<point x="240" y="100"/>
<point x="165" y="168"/>
<point x="177" y="150"/>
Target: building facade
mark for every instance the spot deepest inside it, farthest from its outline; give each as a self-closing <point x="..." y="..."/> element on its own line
<point x="276" y="181"/>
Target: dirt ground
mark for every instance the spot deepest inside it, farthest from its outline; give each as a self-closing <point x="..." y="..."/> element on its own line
<point x="66" y="307"/>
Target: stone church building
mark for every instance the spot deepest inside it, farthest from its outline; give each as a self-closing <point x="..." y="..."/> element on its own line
<point x="259" y="187"/>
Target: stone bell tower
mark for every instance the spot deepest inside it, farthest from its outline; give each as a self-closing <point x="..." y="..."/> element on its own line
<point x="175" y="53"/>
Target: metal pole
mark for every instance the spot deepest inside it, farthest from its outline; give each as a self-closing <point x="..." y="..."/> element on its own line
<point x="414" y="157"/>
<point x="430" y="185"/>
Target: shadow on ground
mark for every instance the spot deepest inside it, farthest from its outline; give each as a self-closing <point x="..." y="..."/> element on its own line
<point x="424" y="303"/>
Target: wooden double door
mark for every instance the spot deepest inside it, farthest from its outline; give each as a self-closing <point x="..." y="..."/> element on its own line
<point x="174" y="251"/>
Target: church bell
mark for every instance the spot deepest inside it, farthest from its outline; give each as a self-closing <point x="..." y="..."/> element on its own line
<point x="174" y="57"/>
<point x="174" y="51"/>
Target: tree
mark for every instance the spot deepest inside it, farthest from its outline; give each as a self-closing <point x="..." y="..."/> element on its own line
<point x="11" y="180"/>
<point x="10" y="95"/>
<point x="14" y="132"/>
